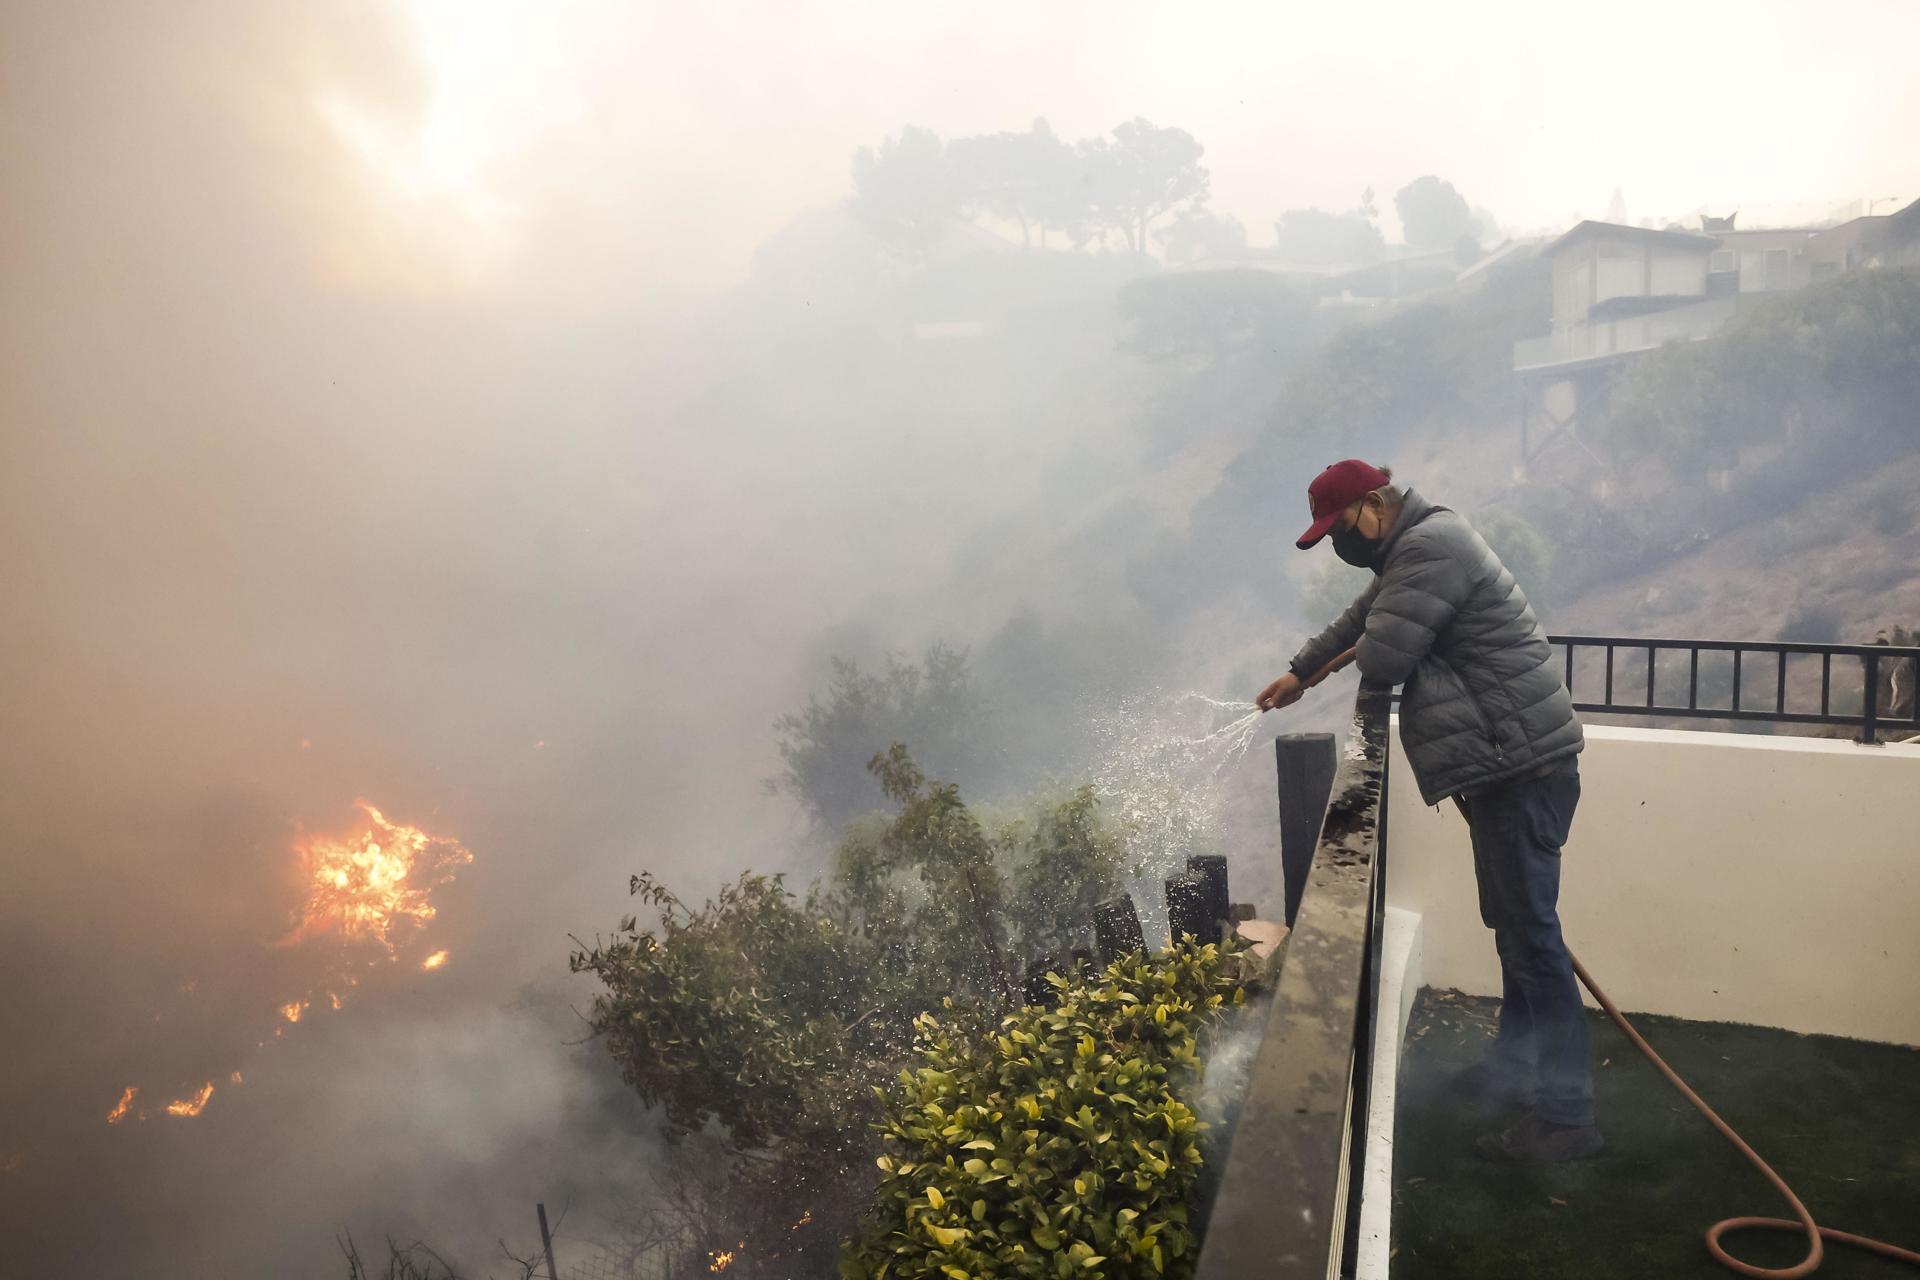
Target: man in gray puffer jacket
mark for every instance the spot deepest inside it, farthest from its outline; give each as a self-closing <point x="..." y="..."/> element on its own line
<point x="1486" y="720"/>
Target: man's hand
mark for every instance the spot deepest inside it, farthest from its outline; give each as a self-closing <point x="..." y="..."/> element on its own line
<point x="1283" y="692"/>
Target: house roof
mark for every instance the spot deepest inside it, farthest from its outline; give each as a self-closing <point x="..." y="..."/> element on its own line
<point x="1679" y="239"/>
<point x="1501" y="252"/>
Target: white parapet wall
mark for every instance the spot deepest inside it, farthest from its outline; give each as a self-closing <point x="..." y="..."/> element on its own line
<point x="1730" y="877"/>
<point x="1399" y="982"/>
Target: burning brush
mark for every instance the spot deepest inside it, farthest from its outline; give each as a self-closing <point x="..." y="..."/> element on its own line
<point x="366" y="894"/>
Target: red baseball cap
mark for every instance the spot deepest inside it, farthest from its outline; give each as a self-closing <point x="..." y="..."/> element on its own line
<point x="1334" y="490"/>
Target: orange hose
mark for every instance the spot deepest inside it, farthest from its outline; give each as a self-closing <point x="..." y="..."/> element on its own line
<point x="1805" y="1223"/>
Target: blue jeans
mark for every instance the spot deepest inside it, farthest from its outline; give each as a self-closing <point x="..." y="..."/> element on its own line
<point x="1518" y="828"/>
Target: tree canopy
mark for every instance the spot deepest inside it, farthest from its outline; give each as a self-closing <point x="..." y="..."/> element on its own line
<point x="1432" y="214"/>
<point x="910" y="189"/>
<point x="907" y="191"/>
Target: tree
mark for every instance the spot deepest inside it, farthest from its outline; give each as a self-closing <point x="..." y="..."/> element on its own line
<point x="962" y="925"/>
<point x="907" y="193"/>
<point x="1201" y="233"/>
<point x="1432" y="214"/>
<point x="1016" y="176"/>
<point x="932" y="706"/>
<point x="1143" y="174"/>
<point x="1313" y="235"/>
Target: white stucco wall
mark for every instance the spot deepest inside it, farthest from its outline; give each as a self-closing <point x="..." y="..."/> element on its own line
<point x="1733" y="877"/>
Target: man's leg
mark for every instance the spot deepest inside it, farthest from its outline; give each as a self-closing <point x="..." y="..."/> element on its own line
<point x="1516" y="1054"/>
<point x="1518" y="831"/>
<point x="1508" y="1072"/>
<point x="1545" y="813"/>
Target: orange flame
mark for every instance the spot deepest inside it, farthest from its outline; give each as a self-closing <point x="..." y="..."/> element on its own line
<point x="721" y="1261"/>
<point x="373" y="881"/>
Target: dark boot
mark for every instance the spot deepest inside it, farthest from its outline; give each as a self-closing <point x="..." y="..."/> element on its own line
<point x="1533" y="1139"/>
<point x="1486" y="1088"/>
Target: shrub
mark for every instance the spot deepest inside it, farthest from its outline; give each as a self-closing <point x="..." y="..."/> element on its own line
<point x="1056" y="1145"/>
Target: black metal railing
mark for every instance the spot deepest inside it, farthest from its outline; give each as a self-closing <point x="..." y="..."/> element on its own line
<point x="1655" y="677"/>
<point x="1284" y="1207"/>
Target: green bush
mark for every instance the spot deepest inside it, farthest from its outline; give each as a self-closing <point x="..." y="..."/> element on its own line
<point x="763" y="1021"/>
<point x="1057" y="1145"/>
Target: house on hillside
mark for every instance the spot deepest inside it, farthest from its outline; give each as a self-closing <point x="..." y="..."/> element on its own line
<point x="1619" y="291"/>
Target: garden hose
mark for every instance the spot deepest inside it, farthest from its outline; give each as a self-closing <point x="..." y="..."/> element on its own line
<point x="1803" y="1222"/>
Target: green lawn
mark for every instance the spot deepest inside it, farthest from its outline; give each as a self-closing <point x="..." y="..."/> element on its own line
<point x="1839" y="1119"/>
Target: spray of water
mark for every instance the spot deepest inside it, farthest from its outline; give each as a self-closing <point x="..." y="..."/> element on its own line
<point x="1160" y="767"/>
<point x="1229" y="743"/>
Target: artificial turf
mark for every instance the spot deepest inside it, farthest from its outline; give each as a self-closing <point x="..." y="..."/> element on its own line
<point x="1839" y="1119"/>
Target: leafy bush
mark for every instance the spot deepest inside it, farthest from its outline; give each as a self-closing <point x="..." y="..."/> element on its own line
<point x="708" y="1014"/>
<point x="1058" y="1144"/>
<point x="763" y="1021"/>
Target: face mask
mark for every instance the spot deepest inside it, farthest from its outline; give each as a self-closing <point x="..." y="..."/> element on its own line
<point x="1355" y="548"/>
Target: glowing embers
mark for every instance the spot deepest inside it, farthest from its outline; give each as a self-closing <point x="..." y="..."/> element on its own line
<point x="373" y="882"/>
<point x="363" y="895"/>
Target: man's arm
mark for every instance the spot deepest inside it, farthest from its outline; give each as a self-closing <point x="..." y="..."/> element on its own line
<point x="1337" y="638"/>
<point x="1418" y="596"/>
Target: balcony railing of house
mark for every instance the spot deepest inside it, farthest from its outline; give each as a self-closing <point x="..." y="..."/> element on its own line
<point x="1601" y="339"/>
<point x="1768" y="682"/>
<point x="1288" y="1203"/>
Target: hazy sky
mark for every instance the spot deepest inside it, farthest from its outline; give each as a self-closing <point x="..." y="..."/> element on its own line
<point x="670" y="139"/>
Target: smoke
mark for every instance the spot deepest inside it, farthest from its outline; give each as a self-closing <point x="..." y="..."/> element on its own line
<point x="393" y="407"/>
<point x="299" y="509"/>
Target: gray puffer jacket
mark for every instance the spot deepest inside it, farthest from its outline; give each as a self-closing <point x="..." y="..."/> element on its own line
<point x="1484" y="700"/>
